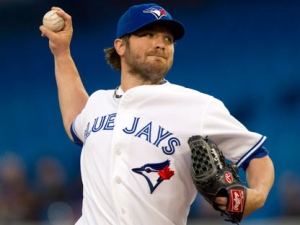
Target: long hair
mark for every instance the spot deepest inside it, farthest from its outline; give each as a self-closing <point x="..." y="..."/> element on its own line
<point x="112" y="57"/>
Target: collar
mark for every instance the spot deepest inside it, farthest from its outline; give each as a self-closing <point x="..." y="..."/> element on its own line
<point x="118" y="92"/>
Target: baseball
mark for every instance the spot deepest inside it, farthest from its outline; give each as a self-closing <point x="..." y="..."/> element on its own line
<point x="52" y="21"/>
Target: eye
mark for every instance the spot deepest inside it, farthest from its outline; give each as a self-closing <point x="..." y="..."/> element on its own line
<point x="147" y="34"/>
<point x="169" y="39"/>
<point x="147" y="170"/>
<point x="144" y="33"/>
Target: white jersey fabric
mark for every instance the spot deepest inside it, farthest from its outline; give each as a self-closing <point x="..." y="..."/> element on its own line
<point x="135" y="160"/>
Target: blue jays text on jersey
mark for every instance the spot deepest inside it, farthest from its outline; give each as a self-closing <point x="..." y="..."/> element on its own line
<point x="106" y="122"/>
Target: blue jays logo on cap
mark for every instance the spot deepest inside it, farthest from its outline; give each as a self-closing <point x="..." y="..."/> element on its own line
<point x="138" y="16"/>
<point x="158" y="12"/>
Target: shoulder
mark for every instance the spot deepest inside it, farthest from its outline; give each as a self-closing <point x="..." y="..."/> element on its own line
<point x="101" y="94"/>
<point x="183" y="90"/>
<point x="194" y="94"/>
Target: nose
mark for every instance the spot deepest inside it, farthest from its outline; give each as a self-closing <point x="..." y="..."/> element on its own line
<point x="160" y="42"/>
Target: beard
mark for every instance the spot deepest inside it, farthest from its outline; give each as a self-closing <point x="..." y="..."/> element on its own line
<point x="152" y="71"/>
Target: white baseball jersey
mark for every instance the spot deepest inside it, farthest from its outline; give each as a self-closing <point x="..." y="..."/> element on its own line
<point x="135" y="160"/>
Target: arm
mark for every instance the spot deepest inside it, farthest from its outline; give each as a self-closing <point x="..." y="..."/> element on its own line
<point x="260" y="178"/>
<point x="71" y="92"/>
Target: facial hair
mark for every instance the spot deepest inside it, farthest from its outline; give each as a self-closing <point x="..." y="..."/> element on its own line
<point x="148" y="71"/>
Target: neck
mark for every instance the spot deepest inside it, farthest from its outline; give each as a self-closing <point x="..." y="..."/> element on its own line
<point x="131" y="82"/>
<point x="162" y="80"/>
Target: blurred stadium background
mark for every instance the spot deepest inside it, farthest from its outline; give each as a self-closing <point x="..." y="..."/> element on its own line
<point x="244" y="52"/>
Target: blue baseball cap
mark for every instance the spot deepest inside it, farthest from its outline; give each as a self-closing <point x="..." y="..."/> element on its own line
<point x="138" y="16"/>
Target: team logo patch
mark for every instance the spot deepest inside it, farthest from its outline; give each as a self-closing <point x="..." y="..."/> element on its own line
<point x="155" y="173"/>
<point x="158" y="12"/>
<point x="236" y="202"/>
<point x="228" y="177"/>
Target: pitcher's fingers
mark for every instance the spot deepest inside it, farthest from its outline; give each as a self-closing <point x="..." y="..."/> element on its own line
<point x="222" y="207"/>
<point x="56" y="8"/>
<point x="221" y="200"/>
<point x="45" y="32"/>
<point x="66" y="17"/>
<point x="62" y="14"/>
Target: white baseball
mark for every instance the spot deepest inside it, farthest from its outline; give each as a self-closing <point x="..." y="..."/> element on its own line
<point x="52" y="21"/>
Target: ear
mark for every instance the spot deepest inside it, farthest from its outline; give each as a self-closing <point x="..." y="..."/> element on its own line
<point x="120" y="46"/>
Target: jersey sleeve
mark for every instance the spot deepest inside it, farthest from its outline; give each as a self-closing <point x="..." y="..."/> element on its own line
<point x="236" y="142"/>
<point x="78" y="128"/>
<point x="259" y="153"/>
<point x="76" y="138"/>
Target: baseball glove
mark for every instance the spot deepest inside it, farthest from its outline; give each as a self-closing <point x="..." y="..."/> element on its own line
<point x="213" y="177"/>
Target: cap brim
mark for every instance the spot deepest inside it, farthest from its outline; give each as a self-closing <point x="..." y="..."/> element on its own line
<point x="174" y="26"/>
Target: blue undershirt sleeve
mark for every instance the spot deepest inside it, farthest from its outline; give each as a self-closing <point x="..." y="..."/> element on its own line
<point x="76" y="140"/>
<point x="259" y="153"/>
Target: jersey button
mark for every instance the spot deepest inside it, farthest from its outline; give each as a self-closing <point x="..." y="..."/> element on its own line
<point x="118" y="152"/>
<point x="118" y="180"/>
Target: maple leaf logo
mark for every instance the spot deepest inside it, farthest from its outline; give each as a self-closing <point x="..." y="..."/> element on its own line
<point x="166" y="173"/>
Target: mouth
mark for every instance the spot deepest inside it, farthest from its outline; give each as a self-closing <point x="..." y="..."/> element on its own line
<point x="158" y="56"/>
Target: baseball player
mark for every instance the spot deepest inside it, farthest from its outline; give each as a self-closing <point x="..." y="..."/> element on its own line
<point x="135" y="160"/>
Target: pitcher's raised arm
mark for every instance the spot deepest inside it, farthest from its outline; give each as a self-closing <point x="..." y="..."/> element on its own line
<point x="71" y="92"/>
